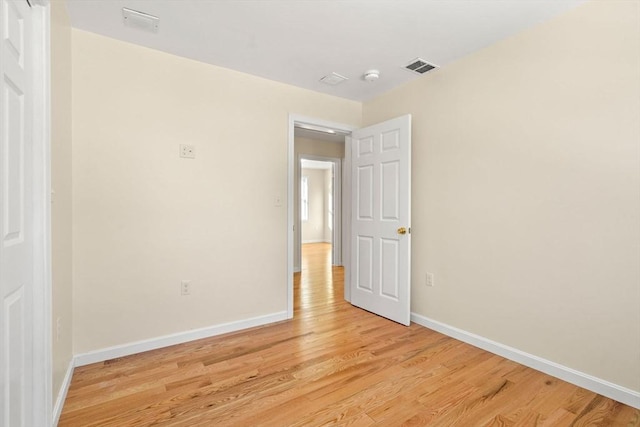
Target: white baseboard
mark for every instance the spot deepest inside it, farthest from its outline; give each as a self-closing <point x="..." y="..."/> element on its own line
<point x="304" y="242"/>
<point x="597" y="385"/>
<point x="297" y="269"/>
<point x="178" y="338"/>
<point x="62" y="393"/>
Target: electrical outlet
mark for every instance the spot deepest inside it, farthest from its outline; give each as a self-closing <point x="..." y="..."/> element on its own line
<point x="185" y="287"/>
<point x="429" y="279"/>
<point x="187" y="151"/>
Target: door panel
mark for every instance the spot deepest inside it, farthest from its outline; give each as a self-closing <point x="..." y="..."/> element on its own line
<point x="365" y="193"/>
<point x="16" y="215"/>
<point x="389" y="176"/>
<point x="389" y="253"/>
<point x="365" y="146"/>
<point x="380" y="256"/>
<point x="391" y="140"/>
<point x="364" y="266"/>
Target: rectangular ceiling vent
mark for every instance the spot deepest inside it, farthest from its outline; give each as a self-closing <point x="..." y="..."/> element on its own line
<point x="140" y="20"/>
<point x="419" y="66"/>
<point x="333" y="79"/>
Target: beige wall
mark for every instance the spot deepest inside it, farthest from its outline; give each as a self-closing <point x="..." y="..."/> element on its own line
<point x="144" y="219"/>
<point x="525" y="190"/>
<point x="316" y="147"/>
<point x="313" y="230"/>
<point x="61" y="185"/>
<point x="309" y="147"/>
<point x="526" y="185"/>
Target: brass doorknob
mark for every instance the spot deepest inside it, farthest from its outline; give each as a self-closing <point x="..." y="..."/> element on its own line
<point x="402" y="230"/>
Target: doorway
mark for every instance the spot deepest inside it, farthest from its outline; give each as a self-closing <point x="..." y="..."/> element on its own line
<point x="318" y="201"/>
<point x="319" y="135"/>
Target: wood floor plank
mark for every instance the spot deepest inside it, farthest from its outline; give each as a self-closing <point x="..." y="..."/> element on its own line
<point x="333" y="364"/>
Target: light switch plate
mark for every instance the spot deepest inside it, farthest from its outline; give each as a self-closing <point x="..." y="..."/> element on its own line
<point x="185" y="287"/>
<point x="430" y="279"/>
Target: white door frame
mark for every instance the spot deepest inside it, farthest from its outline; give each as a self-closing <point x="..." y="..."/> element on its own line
<point x="291" y="163"/>
<point x="43" y="371"/>
<point x="336" y="230"/>
<point x="40" y="403"/>
<point x="346" y="217"/>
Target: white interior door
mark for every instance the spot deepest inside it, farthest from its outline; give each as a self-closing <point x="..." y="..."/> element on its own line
<point x="16" y="214"/>
<point x="381" y="219"/>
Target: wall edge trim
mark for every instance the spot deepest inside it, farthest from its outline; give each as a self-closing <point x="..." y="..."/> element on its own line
<point x="62" y="392"/>
<point x="178" y="338"/>
<point x="589" y="382"/>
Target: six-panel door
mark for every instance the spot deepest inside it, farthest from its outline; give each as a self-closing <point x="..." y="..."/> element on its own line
<point x="380" y="258"/>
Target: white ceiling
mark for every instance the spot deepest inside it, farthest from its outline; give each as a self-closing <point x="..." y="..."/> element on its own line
<point x="300" y="41"/>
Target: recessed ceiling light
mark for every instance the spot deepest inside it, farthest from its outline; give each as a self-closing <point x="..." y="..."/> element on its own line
<point x="333" y="79"/>
<point x="140" y="20"/>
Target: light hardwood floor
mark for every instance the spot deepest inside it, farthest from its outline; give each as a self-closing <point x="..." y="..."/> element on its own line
<point x="332" y="365"/>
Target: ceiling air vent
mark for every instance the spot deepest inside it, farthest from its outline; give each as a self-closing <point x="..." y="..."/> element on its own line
<point x="419" y="66"/>
<point x="140" y="20"/>
<point x="333" y="79"/>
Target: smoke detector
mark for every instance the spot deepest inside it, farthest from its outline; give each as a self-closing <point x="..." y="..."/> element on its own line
<point x="140" y="20"/>
<point x="419" y="66"/>
<point x="371" y="75"/>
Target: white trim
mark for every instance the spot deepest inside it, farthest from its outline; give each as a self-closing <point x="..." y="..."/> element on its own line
<point x="304" y="242"/>
<point x="346" y="217"/>
<point x="336" y="235"/>
<point x="597" y="385"/>
<point x="42" y="370"/>
<point x="290" y="219"/>
<point x="297" y="227"/>
<point x="293" y="119"/>
<point x="62" y="393"/>
<point x="173" y="339"/>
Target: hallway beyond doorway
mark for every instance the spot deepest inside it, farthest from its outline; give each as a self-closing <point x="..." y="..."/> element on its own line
<point x="319" y="282"/>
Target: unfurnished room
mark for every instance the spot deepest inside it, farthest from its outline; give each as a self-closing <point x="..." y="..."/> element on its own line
<point x="311" y="213"/>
